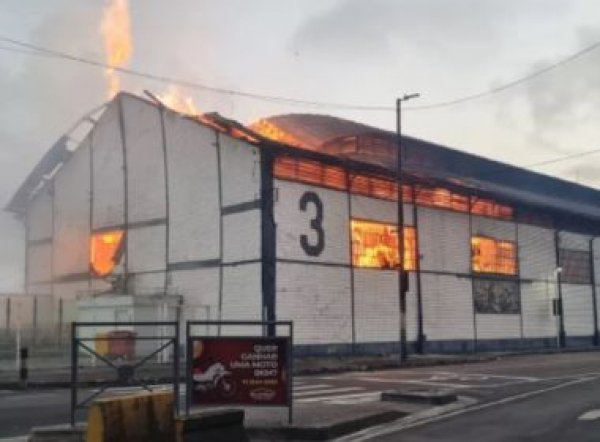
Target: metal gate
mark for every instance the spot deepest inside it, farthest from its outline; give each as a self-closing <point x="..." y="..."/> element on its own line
<point x="110" y="355"/>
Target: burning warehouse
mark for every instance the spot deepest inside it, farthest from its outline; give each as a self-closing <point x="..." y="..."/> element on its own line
<point x="295" y="218"/>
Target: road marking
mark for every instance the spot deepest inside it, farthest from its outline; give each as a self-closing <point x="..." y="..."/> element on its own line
<point x="404" y="424"/>
<point x="412" y="381"/>
<point x="373" y="396"/>
<point x="328" y="391"/>
<point x="311" y="387"/>
<point x="590" y="415"/>
<point x="341" y="397"/>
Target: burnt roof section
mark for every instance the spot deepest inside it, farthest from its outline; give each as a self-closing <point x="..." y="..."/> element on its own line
<point x="56" y="155"/>
<point x="424" y="159"/>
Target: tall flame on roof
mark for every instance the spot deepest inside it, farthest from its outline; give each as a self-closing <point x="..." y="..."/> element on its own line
<point x="116" y="30"/>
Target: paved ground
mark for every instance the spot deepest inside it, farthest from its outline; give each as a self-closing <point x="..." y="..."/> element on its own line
<point x="528" y="398"/>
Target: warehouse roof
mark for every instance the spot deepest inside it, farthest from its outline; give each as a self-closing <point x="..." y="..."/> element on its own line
<point x="363" y="144"/>
<point x="371" y="145"/>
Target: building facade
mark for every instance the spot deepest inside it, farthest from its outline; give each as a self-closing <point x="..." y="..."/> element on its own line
<point x="227" y="223"/>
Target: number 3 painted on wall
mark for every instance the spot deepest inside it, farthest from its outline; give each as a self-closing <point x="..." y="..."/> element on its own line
<point x="316" y="224"/>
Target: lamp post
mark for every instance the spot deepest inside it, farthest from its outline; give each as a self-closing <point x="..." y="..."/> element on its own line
<point x="402" y="274"/>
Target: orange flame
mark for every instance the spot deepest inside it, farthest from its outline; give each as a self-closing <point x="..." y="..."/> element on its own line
<point x="116" y="30"/>
<point x="174" y="99"/>
<point x="273" y="132"/>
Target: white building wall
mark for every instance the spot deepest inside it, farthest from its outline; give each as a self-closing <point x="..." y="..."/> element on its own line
<point x="445" y="249"/>
<point x="574" y="241"/>
<point x="444" y="241"/>
<point x="193" y="190"/>
<point x="72" y="214"/>
<point x="240" y="171"/>
<point x="447" y="307"/>
<point x="241" y="236"/>
<point x="39" y="216"/>
<point x="146" y="248"/>
<point x="293" y="222"/>
<point x="494" y="228"/>
<point x="39" y="266"/>
<point x="536" y="308"/>
<point x="578" y="309"/>
<point x="537" y="265"/>
<point x="107" y="157"/>
<point x="496" y="326"/>
<point x="315" y="292"/>
<point x="145" y="160"/>
<point x="317" y="299"/>
<point x="383" y="210"/>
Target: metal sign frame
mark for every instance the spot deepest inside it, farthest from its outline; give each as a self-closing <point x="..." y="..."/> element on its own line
<point x="269" y="331"/>
<point x="125" y="374"/>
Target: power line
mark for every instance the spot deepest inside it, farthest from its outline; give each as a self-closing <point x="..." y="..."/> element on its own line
<point x="39" y="50"/>
<point x="563" y="158"/>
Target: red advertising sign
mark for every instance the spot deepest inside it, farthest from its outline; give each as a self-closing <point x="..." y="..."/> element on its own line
<point x="240" y="371"/>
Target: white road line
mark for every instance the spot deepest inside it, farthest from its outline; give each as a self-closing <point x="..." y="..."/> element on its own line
<point x="412" y="381"/>
<point x="328" y="391"/>
<point x="589" y="415"/>
<point x="401" y="424"/>
<point x="367" y="397"/>
<point x="311" y="387"/>
<point x="334" y="398"/>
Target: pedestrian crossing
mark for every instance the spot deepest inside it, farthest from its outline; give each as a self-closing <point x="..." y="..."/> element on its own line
<point x="305" y="393"/>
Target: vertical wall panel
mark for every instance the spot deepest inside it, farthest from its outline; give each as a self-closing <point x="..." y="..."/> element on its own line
<point x="536" y="305"/>
<point x="379" y="210"/>
<point x="200" y="291"/>
<point x="145" y="246"/>
<point x="447" y="307"/>
<point x="39" y="261"/>
<point x="72" y="213"/>
<point x="444" y="241"/>
<point x="193" y="190"/>
<point x="240" y="170"/>
<point x="108" y="189"/>
<point x="578" y="310"/>
<point x="293" y="222"/>
<point x="495" y="228"/>
<point x="242" y="297"/>
<point x="145" y="160"/>
<point x="498" y="326"/>
<point x="241" y="236"/>
<point x="574" y="241"/>
<point x="537" y="255"/>
<point x="317" y="299"/>
<point x="39" y="216"/>
<point x="376" y="306"/>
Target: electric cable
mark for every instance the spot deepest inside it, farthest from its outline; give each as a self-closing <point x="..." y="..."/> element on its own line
<point x="289" y="100"/>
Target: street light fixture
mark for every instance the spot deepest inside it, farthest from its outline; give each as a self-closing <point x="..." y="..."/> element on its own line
<point x="402" y="274"/>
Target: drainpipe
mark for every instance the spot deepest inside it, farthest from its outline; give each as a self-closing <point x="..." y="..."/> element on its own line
<point x="594" y="298"/>
<point x="561" y="316"/>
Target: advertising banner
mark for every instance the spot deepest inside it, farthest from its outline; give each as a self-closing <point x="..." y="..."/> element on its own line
<point x="240" y="371"/>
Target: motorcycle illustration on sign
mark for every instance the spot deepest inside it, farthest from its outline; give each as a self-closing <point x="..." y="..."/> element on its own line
<point x="240" y="371"/>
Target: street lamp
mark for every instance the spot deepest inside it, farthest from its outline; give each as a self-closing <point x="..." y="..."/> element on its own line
<point x="402" y="274"/>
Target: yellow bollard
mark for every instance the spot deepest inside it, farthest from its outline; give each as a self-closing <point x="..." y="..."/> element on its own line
<point x="140" y="417"/>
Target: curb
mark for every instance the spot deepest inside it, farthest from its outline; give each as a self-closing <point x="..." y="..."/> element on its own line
<point x="325" y="431"/>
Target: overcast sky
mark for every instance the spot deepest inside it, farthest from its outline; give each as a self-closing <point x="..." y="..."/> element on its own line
<point x="363" y="52"/>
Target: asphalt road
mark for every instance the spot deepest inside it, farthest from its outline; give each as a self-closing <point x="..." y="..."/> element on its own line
<point x="529" y="398"/>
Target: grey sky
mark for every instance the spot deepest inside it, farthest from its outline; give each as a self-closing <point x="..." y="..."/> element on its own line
<point x="351" y="51"/>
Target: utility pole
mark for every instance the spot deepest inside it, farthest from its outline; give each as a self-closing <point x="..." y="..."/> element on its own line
<point x="402" y="274"/>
